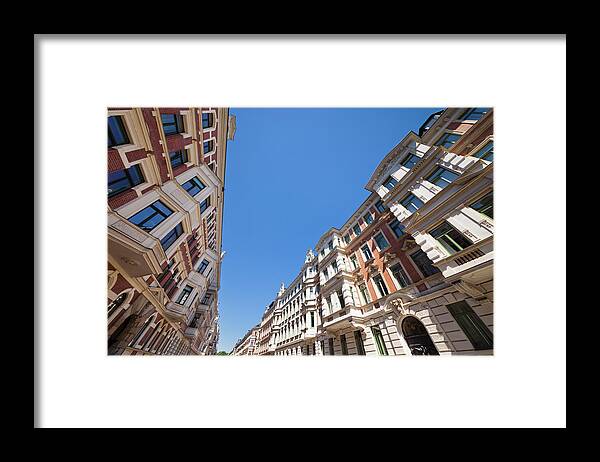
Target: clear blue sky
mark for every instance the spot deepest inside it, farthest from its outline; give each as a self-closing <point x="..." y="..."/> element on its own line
<point x="291" y="175"/>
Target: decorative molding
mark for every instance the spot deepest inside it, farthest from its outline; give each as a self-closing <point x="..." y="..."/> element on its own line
<point x="469" y="289"/>
<point x="129" y="230"/>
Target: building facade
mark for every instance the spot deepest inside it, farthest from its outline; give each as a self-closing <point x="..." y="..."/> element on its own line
<point x="411" y="271"/>
<point x="247" y="345"/>
<point x="166" y="171"/>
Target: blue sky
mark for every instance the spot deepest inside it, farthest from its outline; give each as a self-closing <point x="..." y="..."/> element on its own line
<point x="291" y="175"/>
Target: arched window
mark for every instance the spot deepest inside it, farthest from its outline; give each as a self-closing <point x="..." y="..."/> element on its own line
<point x="143" y="330"/>
<point x="417" y="337"/>
<point x="119" y="334"/>
<point x="117" y="302"/>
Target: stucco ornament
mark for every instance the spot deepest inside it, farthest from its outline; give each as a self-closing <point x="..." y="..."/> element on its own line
<point x="408" y="243"/>
<point x="373" y="270"/>
<point x="469" y="289"/>
<point x="130" y="261"/>
<point x="388" y="257"/>
<point x="309" y="255"/>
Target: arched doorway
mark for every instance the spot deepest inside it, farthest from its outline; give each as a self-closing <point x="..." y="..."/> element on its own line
<point x="417" y="337"/>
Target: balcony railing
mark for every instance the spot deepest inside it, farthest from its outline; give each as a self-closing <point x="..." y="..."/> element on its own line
<point x="479" y="253"/>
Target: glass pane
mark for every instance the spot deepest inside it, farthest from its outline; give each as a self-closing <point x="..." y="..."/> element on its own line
<point x="163" y="208"/>
<point x="461" y="240"/>
<point x="440" y="230"/>
<point x="142" y="215"/>
<point x="136" y="175"/>
<point x="198" y="183"/>
<point x="167" y="118"/>
<point x="486" y="153"/>
<point x="115" y="176"/>
<point x="116" y="130"/>
<point x="118" y="186"/>
<point x="153" y="222"/>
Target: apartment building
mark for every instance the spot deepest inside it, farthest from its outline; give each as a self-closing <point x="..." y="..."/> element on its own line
<point x="247" y="344"/>
<point x="166" y="171"/>
<point x="411" y="271"/>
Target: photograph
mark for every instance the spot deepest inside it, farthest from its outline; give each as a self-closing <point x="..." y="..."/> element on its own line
<point x="409" y="272"/>
<point x="304" y="220"/>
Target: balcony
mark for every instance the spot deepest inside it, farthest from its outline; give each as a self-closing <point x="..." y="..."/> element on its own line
<point x="198" y="279"/>
<point x="138" y="252"/>
<point x="192" y="332"/>
<point x="342" y="322"/>
<point x="177" y="312"/>
<point x="476" y="257"/>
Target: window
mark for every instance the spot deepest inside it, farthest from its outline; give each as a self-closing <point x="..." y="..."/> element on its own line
<point x="364" y="294"/>
<point x="331" y="349"/>
<point x="204" y="204"/>
<point x="172" y="123"/>
<point x="334" y="266"/>
<point x="486" y="152"/>
<point x="208" y="146"/>
<point x="117" y="302"/>
<point x="322" y="347"/>
<point x="447" y="140"/>
<point x="410" y="160"/>
<point x="381" y="241"/>
<point x="178" y="157"/>
<point x="185" y="294"/>
<point x="344" y="346"/>
<point x="368" y="218"/>
<point x="354" y="261"/>
<point x="206" y="299"/>
<point x="380" y="207"/>
<point x="452" y="240"/>
<point x="356" y="229"/>
<point x="411" y="202"/>
<point x="424" y="263"/>
<point x="366" y="252"/>
<point x="360" y="346"/>
<point x="122" y="180"/>
<point x="203" y="265"/>
<point x="207" y="119"/>
<point x="379" y="341"/>
<point x="390" y="182"/>
<point x="330" y="245"/>
<point x="400" y="275"/>
<point x="429" y="123"/>
<point x="150" y="217"/>
<point x="312" y="319"/>
<point x="170" y="238"/>
<point x="117" y="135"/>
<point x="442" y="177"/>
<point x="380" y="284"/>
<point x="347" y="239"/>
<point x="340" y="296"/>
<point x="473" y="327"/>
<point x="485" y="205"/>
<point x="396" y="228"/>
<point x="193" y="186"/>
<point x="475" y="113"/>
